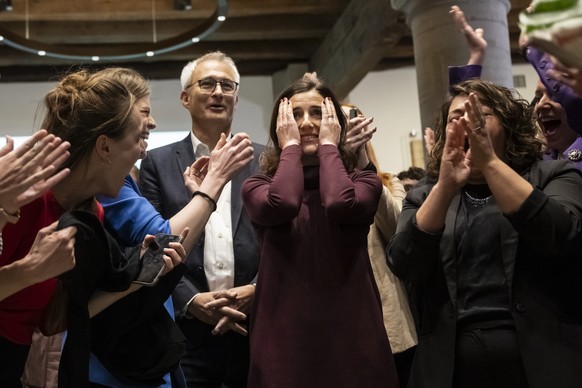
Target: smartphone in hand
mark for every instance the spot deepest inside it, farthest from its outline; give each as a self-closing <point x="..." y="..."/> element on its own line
<point x="152" y="265"/>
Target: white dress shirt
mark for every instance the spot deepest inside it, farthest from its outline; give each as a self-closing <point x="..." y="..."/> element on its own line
<point x="218" y="246"/>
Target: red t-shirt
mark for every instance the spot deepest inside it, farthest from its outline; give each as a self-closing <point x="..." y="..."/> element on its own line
<point x="21" y="312"/>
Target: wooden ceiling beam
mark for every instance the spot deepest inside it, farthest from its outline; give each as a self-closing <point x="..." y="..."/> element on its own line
<point x="251" y="28"/>
<point x="356" y="43"/>
<point x="107" y="10"/>
<point x="256" y="50"/>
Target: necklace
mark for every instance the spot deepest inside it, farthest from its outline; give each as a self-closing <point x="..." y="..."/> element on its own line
<point x="476" y="202"/>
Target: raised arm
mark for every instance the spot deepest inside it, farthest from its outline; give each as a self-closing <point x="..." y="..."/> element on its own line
<point x="275" y="200"/>
<point x="476" y="44"/>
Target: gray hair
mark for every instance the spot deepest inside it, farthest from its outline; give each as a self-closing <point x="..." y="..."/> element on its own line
<point x="185" y="78"/>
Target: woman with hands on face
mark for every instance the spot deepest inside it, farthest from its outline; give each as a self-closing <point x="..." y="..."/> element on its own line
<point x="489" y="245"/>
<point x="316" y="320"/>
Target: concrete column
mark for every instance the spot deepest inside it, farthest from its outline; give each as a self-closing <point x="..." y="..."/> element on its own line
<point x="438" y="44"/>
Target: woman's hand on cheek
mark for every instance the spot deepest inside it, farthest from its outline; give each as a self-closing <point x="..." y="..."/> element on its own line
<point x="330" y="129"/>
<point x="287" y="130"/>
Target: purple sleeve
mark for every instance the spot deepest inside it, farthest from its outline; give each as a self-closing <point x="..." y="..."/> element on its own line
<point x="458" y="74"/>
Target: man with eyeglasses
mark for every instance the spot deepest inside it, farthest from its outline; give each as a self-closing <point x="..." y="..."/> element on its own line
<point x="224" y="264"/>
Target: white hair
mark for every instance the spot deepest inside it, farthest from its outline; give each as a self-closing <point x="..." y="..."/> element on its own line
<point x="185" y="78"/>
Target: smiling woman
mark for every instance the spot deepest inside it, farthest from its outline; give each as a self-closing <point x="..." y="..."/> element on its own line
<point x="312" y="213"/>
<point x="101" y="119"/>
<point x="493" y="289"/>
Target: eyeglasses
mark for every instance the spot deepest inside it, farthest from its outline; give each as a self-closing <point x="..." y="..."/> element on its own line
<point x="208" y="85"/>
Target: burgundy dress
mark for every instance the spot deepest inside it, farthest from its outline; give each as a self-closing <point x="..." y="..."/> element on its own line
<point x="316" y="319"/>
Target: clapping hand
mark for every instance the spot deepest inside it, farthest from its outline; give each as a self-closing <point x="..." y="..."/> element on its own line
<point x="29" y="171"/>
<point x="358" y="133"/>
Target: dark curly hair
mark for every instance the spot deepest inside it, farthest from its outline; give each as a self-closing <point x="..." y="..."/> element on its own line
<point x="272" y="153"/>
<point x="523" y="146"/>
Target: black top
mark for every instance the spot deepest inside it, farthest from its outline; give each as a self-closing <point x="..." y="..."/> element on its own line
<point x="481" y="285"/>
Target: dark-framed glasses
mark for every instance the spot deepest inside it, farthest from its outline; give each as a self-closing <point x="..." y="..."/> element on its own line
<point x="207" y="85"/>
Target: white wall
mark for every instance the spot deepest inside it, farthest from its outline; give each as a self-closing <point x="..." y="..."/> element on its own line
<point x="389" y="96"/>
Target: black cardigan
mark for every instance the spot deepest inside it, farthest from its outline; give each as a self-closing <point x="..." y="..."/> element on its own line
<point x="541" y="249"/>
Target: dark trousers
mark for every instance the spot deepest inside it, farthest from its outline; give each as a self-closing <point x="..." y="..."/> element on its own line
<point x="12" y="360"/>
<point x="488" y="358"/>
<point x="214" y="361"/>
<point x="403" y="363"/>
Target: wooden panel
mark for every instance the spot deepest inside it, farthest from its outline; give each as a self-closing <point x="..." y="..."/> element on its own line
<point x="356" y="43"/>
<point x="343" y="39"/>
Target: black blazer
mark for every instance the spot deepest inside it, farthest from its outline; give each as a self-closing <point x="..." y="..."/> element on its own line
<point x="162" y="183"/>
<point x="540" y="248"/>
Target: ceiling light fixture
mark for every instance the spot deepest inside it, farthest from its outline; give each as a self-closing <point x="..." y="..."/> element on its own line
<point x="124" y="52"/>
<point x="5" y="5"/>
<point x="183" y="5"/>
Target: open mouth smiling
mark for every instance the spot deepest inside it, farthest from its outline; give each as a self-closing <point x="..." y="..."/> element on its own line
<point x="549" y="125"/>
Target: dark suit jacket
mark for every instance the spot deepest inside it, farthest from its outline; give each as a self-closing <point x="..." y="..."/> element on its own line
<point x="162" y="183"/>
<point x="540" y="252"/>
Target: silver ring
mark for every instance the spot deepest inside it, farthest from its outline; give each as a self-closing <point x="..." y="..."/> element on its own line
<point x="330" y="116"/>
<point x="477" y="128"/>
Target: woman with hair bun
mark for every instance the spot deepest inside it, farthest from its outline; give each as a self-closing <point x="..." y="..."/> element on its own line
<point x="100" y="118"/>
